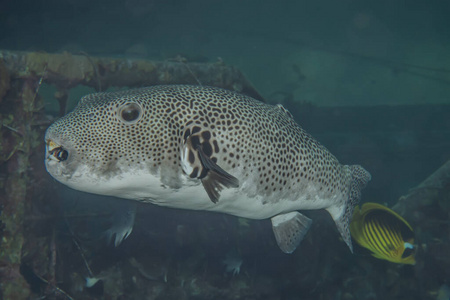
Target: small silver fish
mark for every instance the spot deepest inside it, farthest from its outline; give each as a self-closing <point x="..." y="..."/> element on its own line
<point x="203" y="148"/>
<point x="122" y="224"/>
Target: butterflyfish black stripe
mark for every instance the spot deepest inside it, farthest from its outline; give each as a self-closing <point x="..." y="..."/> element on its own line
<point x="389" y="244"/>
<point x="381" y="235"/>
<point x="396" y="232"/>
<point x="374" y="240"/>
<point x="398" y="237"/>
<point x="392" y="239"/>
<point x="366" y="234"/>
<point x="369" y="238"/>
<point x="393" y="235"/>
<point x="381" y="239"/>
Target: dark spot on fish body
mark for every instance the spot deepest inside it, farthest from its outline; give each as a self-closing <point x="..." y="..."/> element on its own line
<point x="206" y="135"/>
<point x="216" y="147"/>
<point x="191" y="157"/>
<point x="207" y="149"/>
<point x="194" y="173"/>
<point x="203" y="173"/>
<point x="186" y="134"/>
<point x="195" y="141"/>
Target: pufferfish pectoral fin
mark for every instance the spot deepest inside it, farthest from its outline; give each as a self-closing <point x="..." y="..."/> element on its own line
<point x="290" y="229"/>
<point x="216" y="177"/>
<point x="198" y="164"/>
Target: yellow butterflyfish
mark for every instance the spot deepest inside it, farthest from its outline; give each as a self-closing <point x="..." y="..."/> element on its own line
<point x="384" y="232"/>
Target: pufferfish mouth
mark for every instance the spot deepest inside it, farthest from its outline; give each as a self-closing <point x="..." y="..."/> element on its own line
<point x="56" y="152"/>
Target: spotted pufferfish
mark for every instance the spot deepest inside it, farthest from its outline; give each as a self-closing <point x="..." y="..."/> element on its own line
<point x="203" y="148"/>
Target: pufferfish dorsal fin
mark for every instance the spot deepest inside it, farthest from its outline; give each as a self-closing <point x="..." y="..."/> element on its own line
<point x="197" y="162"/>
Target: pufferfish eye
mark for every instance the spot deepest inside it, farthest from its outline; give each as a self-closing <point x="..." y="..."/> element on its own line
<point x="130" y="113"/>
<point x="62" y="155"/>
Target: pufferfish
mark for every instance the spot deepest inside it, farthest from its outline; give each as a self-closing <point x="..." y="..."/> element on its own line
<point x="384" y="232"/>
<point x="203" y="148"/>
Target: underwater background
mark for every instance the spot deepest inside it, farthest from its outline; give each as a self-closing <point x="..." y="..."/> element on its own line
<point x="370" y="80"/>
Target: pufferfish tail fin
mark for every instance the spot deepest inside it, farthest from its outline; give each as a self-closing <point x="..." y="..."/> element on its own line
<point x="342" y="215"/>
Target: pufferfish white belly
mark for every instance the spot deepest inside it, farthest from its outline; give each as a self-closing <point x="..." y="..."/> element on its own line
<point x="203" y="148"/>
<point x="145" y="187"/>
